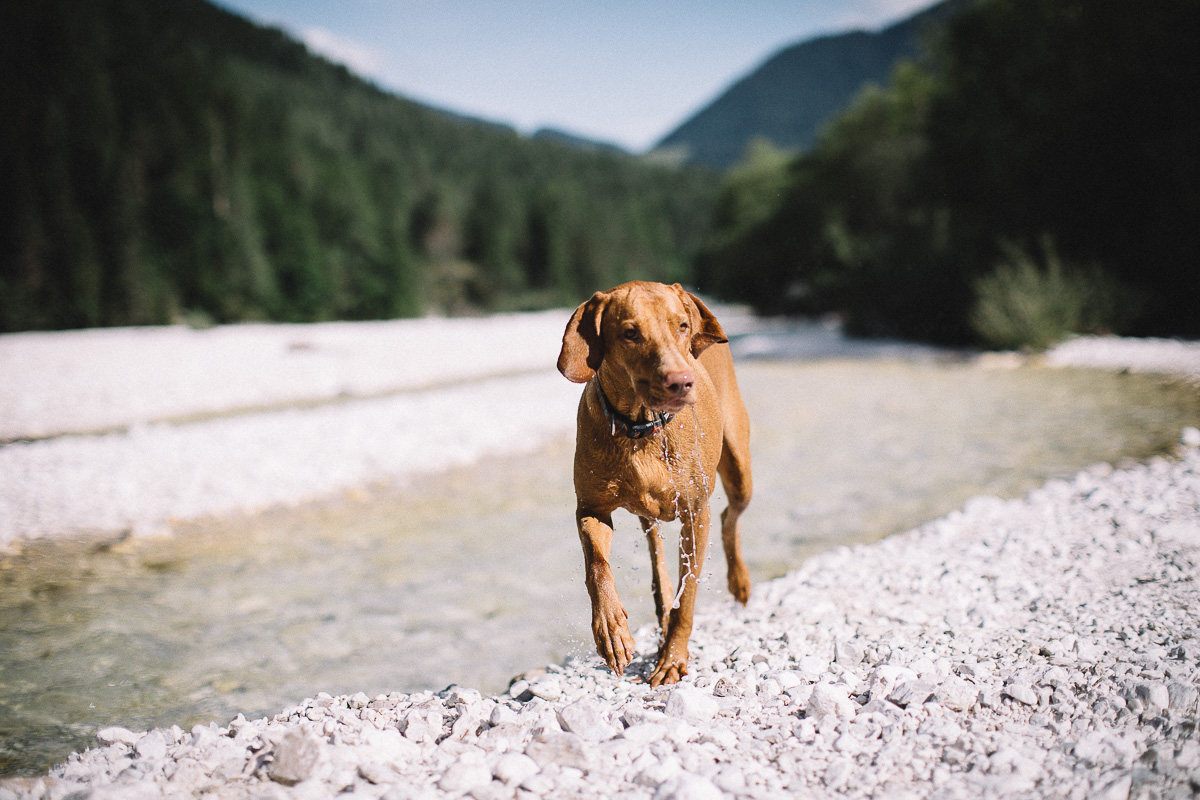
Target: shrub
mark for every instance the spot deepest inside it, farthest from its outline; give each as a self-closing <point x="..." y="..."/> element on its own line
<point x="1030" y="306"/>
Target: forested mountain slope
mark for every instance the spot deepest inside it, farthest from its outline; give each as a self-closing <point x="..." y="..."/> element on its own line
<point x="794" y="93"/>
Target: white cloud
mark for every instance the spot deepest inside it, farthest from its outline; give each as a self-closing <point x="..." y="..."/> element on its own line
<point x="357" y="56"/>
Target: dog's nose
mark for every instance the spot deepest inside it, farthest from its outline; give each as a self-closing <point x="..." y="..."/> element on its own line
<point x="678" y="383"/>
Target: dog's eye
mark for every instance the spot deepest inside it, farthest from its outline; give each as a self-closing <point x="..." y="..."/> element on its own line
<point x="683" y="327"/>
<point x="632" y="335"/>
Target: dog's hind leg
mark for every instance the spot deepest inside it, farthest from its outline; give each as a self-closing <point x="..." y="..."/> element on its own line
<point x="693" y="542"/>
<point x="734" y="469"/>
<point x="658" y="571"/>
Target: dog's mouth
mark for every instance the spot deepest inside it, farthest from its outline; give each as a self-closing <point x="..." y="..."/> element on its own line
<point x="673" y="405"/>
<point x="669" y="404"/>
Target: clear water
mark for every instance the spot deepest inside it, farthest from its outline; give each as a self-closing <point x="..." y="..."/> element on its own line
<point x="474" y="575"/>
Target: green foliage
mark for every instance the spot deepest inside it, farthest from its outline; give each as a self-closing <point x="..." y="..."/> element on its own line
<point x="752" y="186"/>
<point x="748" y="198"/>
<point x="840" y="229"/>
<point x="1064" y="117"/>
<point x="168" y="160"/>
<point x="1078" y="119"/>
<point x="1030" y="306"/>
<point x="882" y="255"/>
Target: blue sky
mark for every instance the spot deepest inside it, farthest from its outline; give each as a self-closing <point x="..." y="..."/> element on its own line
<point x="622" y="71"/>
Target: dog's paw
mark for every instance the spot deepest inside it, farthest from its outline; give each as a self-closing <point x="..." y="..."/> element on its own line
<point x="739" y="584"/>
<point x="672" y="666"/>
<point x="614" y="642"/>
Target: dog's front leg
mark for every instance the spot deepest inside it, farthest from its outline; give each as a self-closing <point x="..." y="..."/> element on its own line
<point x="693" y="544"/>
<point x="610" y="627"/>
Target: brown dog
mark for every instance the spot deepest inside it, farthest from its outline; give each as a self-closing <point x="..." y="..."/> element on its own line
<point x="660" y="416"/>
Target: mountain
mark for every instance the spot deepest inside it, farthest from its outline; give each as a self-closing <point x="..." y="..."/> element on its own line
<point x="576" y="142"/>
<point x="169" y="160"/>
<point x="795" y="92"/>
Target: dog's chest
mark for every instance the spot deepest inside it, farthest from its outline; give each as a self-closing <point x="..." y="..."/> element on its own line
<point x="659" y="482"/>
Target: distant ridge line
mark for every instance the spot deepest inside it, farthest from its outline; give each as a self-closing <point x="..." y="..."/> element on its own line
<point x="798" y="90"/>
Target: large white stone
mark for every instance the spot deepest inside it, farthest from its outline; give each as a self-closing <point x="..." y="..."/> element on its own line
<point x="589" y="719"/>
<point x="514" y="768"/>
<point x="296" y="757"/>
<point x="463" y="776"/>
<point x="691" y="704"/>
<point x="118" y="735"/>
<point x="829" y="699"/>
<point x="688" y="787"/>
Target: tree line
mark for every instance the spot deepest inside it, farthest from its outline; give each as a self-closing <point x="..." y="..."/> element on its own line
<point x="167" y="160"/>
<point x="1035" y="174"/>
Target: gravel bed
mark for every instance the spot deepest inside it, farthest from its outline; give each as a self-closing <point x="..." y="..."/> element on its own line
<point x="1164" y="356"/>
<point x="128" y="430"/>
<point x="100" y="380"/>
<point x="1043" y="647"/>
<point x="142" y="480"/>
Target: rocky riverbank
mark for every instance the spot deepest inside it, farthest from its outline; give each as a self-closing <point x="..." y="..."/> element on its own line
<point x="129" y="431"/>
<point x="1043" y="647"/>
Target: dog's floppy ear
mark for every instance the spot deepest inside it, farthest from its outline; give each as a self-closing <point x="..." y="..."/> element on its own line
<point x="706" y="331"/>
<point x="582" y="344"/>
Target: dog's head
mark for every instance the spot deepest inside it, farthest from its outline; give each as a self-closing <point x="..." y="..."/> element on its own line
<point x="645" y="337"/>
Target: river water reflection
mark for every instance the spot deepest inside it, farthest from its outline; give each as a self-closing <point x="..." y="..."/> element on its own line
<point x="475" y="575"/>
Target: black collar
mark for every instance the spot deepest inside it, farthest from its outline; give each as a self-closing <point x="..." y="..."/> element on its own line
<point x="619" y="422"/>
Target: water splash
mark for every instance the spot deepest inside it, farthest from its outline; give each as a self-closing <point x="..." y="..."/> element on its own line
<point x="690" y="568"/>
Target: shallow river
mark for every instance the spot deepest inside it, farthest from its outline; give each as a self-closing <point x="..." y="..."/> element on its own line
<point x="474" y="575"/>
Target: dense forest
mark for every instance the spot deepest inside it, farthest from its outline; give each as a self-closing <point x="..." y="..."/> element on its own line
<point x="1036" y="174"/>
<point x="166" y="161"/>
